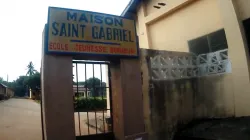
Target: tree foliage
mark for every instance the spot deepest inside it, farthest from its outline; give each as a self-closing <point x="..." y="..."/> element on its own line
<point x="22" y="84"/>
<point x="34" y="81"/>
<point x="31" y="69"/>
<point x="96" y="87"/>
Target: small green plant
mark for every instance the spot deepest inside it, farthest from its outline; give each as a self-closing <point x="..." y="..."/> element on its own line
<point x="38" y="101"/>
<point x="90" y="103"/>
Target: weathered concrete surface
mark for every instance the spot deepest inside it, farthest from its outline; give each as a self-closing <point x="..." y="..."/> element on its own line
<point x="167" y="104"/>
<point x="219" y="129"/>
<point x="20" y="119"/>
<point x="171" y="104"/>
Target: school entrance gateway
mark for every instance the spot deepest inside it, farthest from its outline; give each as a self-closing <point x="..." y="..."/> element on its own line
<point x="91" y="85"/>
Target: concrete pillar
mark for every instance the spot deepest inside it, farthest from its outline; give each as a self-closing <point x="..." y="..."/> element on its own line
<point x="142" y="28"/>
<point x="57" y="99"/>
<point x="238" y="55"/>
<point x="30" y="93"/>
<point x="127" y="100"/>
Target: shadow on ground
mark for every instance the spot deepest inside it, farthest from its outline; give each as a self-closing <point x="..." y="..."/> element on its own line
<point x="216" y="129"/>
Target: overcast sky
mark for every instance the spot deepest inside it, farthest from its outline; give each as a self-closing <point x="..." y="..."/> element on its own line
<point x="21" y="27"/>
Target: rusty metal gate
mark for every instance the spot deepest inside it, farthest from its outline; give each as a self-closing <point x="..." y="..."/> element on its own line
<point x="92" y="100"/>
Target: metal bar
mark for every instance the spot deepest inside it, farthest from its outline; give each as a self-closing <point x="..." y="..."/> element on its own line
<point x="110" y="97"/>
<point x="85" y="110"/>
<point x="96" y="92"/>
<point x="102" y="98"/>
<point x="86" y="89"/>
<point x="90" y="62"/>
<point x="94" y="95"/>
<point x="79" y="120"/>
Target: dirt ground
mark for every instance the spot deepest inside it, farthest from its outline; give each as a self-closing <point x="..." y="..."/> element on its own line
<point x="219" y="129"/>
<point x="92" y="121"/>
<point x="20" y="119"/>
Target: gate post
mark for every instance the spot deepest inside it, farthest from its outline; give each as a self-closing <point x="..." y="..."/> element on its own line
<point x="128" y="119"/>
<point x="57" y="95"/>
<point x="58" y="110"/>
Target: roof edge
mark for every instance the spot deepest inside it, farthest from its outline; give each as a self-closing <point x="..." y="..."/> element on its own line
<point x="132" y="5"/>
<point x="4" y="85"/>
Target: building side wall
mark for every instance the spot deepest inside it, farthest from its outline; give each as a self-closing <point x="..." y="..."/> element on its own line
<point x="243" y="8"/>
<point x="173" y="32"/>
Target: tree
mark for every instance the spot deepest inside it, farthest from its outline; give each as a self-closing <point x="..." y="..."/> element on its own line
<point x="34" y="81"/>
<point x="20" y="85"/>
<point x="96" y="87"/>
<point x="31" y="69"/>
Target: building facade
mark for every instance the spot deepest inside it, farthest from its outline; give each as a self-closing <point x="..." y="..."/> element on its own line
<point x="80" y="90"/>
<point x="5" y="92"/>
<point x="199" y="27"/>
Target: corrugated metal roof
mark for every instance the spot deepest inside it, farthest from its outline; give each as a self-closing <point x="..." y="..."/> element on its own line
<point x="3" y="85"/>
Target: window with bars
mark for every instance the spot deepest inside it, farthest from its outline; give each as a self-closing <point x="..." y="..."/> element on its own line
<point x="209" y="43"/>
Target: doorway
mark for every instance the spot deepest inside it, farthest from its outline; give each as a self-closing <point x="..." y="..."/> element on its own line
<point x="92" y="100"/>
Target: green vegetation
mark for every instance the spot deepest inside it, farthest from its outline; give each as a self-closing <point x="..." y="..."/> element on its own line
<point x="32" y="80"/>
<point x="31" y="69"/>
<point x="38" y="101"/>
<point x="22" y="84"/>
<point x="91" y="103"/>
<point x="95" y="101"/>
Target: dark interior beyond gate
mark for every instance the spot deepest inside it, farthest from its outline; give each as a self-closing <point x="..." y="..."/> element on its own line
<point x="92" y="100"/>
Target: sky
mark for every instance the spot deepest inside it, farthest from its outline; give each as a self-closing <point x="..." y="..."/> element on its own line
<point x="21" y="26"/>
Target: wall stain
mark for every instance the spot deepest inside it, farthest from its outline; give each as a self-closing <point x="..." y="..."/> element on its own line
<point x="174" y="103"/>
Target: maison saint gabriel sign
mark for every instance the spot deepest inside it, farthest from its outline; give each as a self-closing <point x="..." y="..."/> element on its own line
<point x="82" y="32"/>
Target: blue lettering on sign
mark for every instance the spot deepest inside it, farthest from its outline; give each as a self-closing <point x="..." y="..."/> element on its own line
<point x="63" y="30"/>
<point x="98" y="19"/>
<point x="124" y="35"/>
<point x="71" y="16"/>
<point x="109" y="33"/>
<point x="118" y="21"/>
<point x="73" y="30"/>
<point x="94" y="32"/>
<point x="93" y="18"/>
<point x="54" y="28"/>
<point x="103" y="32"/>
<point x="83" y="18"/>
<point x="108" y="21"/>
<point x="83" y="28"/>
<point x="115" y="34"/>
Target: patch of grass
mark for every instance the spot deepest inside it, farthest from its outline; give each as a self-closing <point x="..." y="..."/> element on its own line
<point x="38" y="101"/>
<point x="91" y="103"/>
